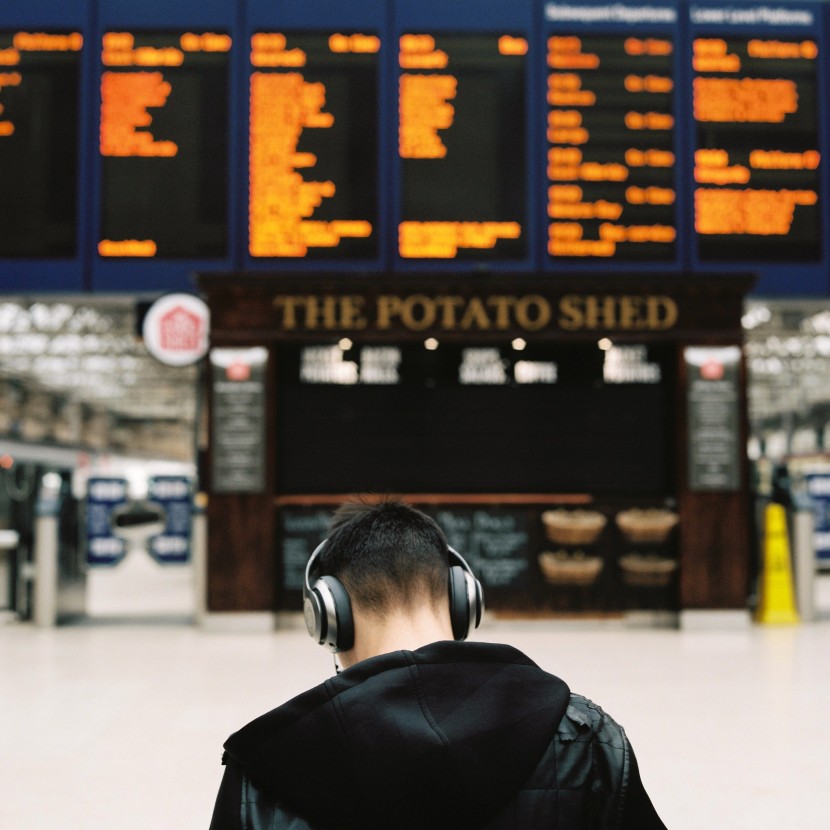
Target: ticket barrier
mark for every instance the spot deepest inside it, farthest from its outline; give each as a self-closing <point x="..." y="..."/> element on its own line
<point x="58" y="572"/>
<point x="8" y="554"/>
<point x="59" y="581"/>
<point x="802" y="522"/>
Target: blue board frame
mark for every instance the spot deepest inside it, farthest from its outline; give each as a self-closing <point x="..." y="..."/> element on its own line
<point x="154" y="275"/>
<point x="470" y="16"/>
<point x="598" y="18"/>
<point x="324" y="16"/>
<point x="87" y="271"/>
<point x="800" y="20"/>
<point x="24" y="275"/>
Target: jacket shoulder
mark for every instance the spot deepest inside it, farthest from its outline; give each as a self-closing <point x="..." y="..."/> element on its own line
<point x="260" y="812"/>
<point x="584" y="719"/>
<point x="593" y="754"/>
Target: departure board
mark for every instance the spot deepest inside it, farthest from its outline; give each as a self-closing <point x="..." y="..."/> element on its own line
<point x="164" y="144"/>
<point x="611" y="157"/>
<point x="461" y="141"/>
<point x="39" y="95"/>
<point x="313" y="156"/>
<point x="757" y="153"/>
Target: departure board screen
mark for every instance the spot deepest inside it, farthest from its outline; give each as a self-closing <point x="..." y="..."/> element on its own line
<point x="611" y="158"/>
<point x="313" y="155"/>
<point x="461" y="140"/>
<point x="757" y="151"/>
<point x="39" y="94"/>
<point x="164" y="144"/>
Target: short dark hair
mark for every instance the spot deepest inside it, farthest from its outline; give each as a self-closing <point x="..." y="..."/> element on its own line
<point x="387" y="554"/>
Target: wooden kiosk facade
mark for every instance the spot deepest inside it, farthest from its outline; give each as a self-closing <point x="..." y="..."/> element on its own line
<point x="493" y="453"/>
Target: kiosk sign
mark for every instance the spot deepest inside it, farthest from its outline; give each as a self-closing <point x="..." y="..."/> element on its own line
<point x="238" y="423"/>
<point x="712" y="401"/>
<point x="173" y="495"/>
<point x="175" y="329"/>
<point x="818" y="489"/>
<point x="103" y="547"/>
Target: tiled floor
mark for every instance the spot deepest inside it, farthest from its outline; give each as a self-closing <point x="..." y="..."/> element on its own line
<point x="120" y="727"/>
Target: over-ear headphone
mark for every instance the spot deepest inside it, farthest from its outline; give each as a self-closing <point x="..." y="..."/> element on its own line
<point x="328" y="609"/>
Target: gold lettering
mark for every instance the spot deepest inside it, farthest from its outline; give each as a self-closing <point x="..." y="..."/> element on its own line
<point x="351" y="312"/>
<point x="571" y="317"/>
<point x="329" y="312"/>
<point x="418" y="322"/>
<point x="388" y="307"/>
<point x="631" y="313"/>
<point x="475" y="314"/>
<point x="610" y="312"/>
<point x="600" y="312"/>
<point x="662" y="312"/>
<point x="532" y="312"/>
<point x="448" y="305"/>
<point x="289" y="311"/>
<point x="502" y="305"/>
<point x="312" y="311"/>
<point x="540" y="316"/>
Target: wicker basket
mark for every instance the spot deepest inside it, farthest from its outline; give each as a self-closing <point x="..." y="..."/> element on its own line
<point x="647" y="571"/>
<point x="651" y="524"/>
<point x="570" y="569"/>
<point x="573" y="527"/>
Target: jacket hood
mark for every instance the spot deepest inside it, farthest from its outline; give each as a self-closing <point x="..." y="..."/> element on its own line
<point x="441" y="737"/>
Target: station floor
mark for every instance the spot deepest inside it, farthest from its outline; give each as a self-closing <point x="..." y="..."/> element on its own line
<point x="118" y="724"/>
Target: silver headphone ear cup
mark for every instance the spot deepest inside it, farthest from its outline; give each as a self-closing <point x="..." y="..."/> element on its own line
<point x="459" y="603"/>
<point x="474" y="601"/>
<point x="479" y="603"/>
<point x="313" y="614"/>
<point x="338" y="634"/>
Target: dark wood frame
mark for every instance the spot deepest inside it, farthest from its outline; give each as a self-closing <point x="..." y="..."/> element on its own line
<point x="714" y="545"/>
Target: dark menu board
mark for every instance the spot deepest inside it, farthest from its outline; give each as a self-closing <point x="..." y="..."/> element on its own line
<point x="164" y="144"/>
<point x="238" y="423"/>
<point x="611" y="159"/>
<point x="313" y="145"/>
<point x="494" y="541"/>
<point x="757" y="148"/>
<point x="461" y="141"/>
<point x="39" y="92"/>
<point x="301" y="531"/>
<point x="481" y="419"/>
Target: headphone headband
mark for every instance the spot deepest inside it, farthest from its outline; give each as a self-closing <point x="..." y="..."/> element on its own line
<point x="328" y="612"/>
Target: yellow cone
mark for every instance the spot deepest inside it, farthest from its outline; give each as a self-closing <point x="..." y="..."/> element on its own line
<point x="777" y="605"/>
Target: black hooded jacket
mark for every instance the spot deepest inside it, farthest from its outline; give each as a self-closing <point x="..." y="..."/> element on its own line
<point x="453" y="735"/>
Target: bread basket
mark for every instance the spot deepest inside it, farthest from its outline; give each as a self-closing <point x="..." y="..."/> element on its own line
<point x="650" y="524"/>
<point x="562" y="568"/>
<point x="647" y="571"/>
<point x="573" y="527"/>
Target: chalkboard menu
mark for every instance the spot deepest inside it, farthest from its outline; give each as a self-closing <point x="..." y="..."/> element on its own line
<point x="713" y="412"/>
<point x="301" y="530"/>
<point x="523" y="564"/>
<point x="238" y="426"/>
<point x="493" y="540"/>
